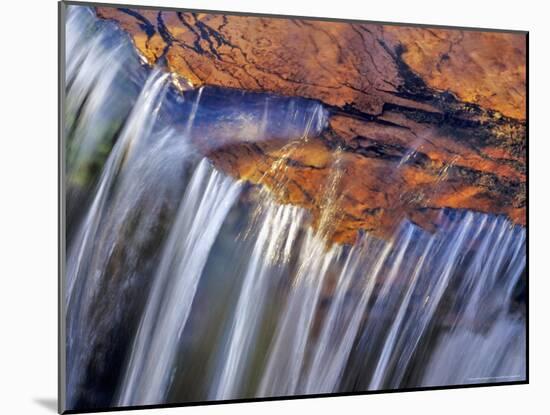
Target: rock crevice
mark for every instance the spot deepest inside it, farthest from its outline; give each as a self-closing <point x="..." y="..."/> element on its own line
<point x="419" y="119"/>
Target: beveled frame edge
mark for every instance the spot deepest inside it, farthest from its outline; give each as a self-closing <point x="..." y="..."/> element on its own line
<point x="61" y="345"/>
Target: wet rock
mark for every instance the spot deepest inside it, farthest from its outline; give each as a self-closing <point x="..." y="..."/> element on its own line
<point x="419" y="119"/>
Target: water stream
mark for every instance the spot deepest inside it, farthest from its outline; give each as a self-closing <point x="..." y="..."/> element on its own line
<point x="185" y="284"/>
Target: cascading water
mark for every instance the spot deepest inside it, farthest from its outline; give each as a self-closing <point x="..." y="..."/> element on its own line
<point x="289" y="347"/>
<point x="487" y="341"/>
<point x="343" y="319"/>
<point x="278" y="230"/>
<point x="407" y="279"/>
<point x="202" y="211"/>
<point x="168" y="300"/>
<point x="101" y="92"/>
<point x="108" y="219"/>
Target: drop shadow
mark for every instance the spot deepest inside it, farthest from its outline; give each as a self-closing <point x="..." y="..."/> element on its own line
<point x="48" y="403"/>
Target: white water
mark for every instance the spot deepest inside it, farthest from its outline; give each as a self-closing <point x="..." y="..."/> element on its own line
<point x="203" y="209"/>
<point x="449" y="250"/>
<point x="417" y="310"/>
<point x="486" y="343"/>
<point x="418" y="271"/>
<point x="405" y="280"/>
<point x="278" y="230"/>
<point x="287" y="353"/>
<point x="497" y="355"/>
<point x="138" y="127"/>
<point x="488" y="241"/>
<point x="102" y="225"/>
<point x="342" y="323"/>
<point x="99" y="86"/>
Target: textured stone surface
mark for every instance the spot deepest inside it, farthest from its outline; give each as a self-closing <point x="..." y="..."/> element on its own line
<point x="420" y="119"/>
<point x="479" y="67"/>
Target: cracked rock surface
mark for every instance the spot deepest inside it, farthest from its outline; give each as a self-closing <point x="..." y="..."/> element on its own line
<point x="419" y="119"/>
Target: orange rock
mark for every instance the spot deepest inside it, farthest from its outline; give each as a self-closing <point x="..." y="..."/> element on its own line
<point x="485" y="68"/>
<point x="398" y="145"/>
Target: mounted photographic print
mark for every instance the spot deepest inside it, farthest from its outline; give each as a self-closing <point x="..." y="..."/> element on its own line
<point x="256" y="207"/>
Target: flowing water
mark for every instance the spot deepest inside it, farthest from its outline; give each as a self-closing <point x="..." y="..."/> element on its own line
<point x="278" y="230"/>
<point x="108" y="219"/>
<point x="202" y="211"/>
<point x="184" y="284"/>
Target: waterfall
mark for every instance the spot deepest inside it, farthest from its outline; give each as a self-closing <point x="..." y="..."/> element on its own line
<point x="344" y="317"/>
<point x="178" y="274"/>
<point x="288" y="350"/>
<point x="138" y="127"/>
<point x="494" y="352"/>
<point x="412" y="275"/>
<point x="102" y="86"/>
<point x="105" y="221"/>
<point x="201" y="213"/>
<point x="278" y="230"/>
<point x="475" y="252"/>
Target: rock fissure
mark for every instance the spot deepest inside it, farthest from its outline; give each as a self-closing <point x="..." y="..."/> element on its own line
<point x="420" y="119"/>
